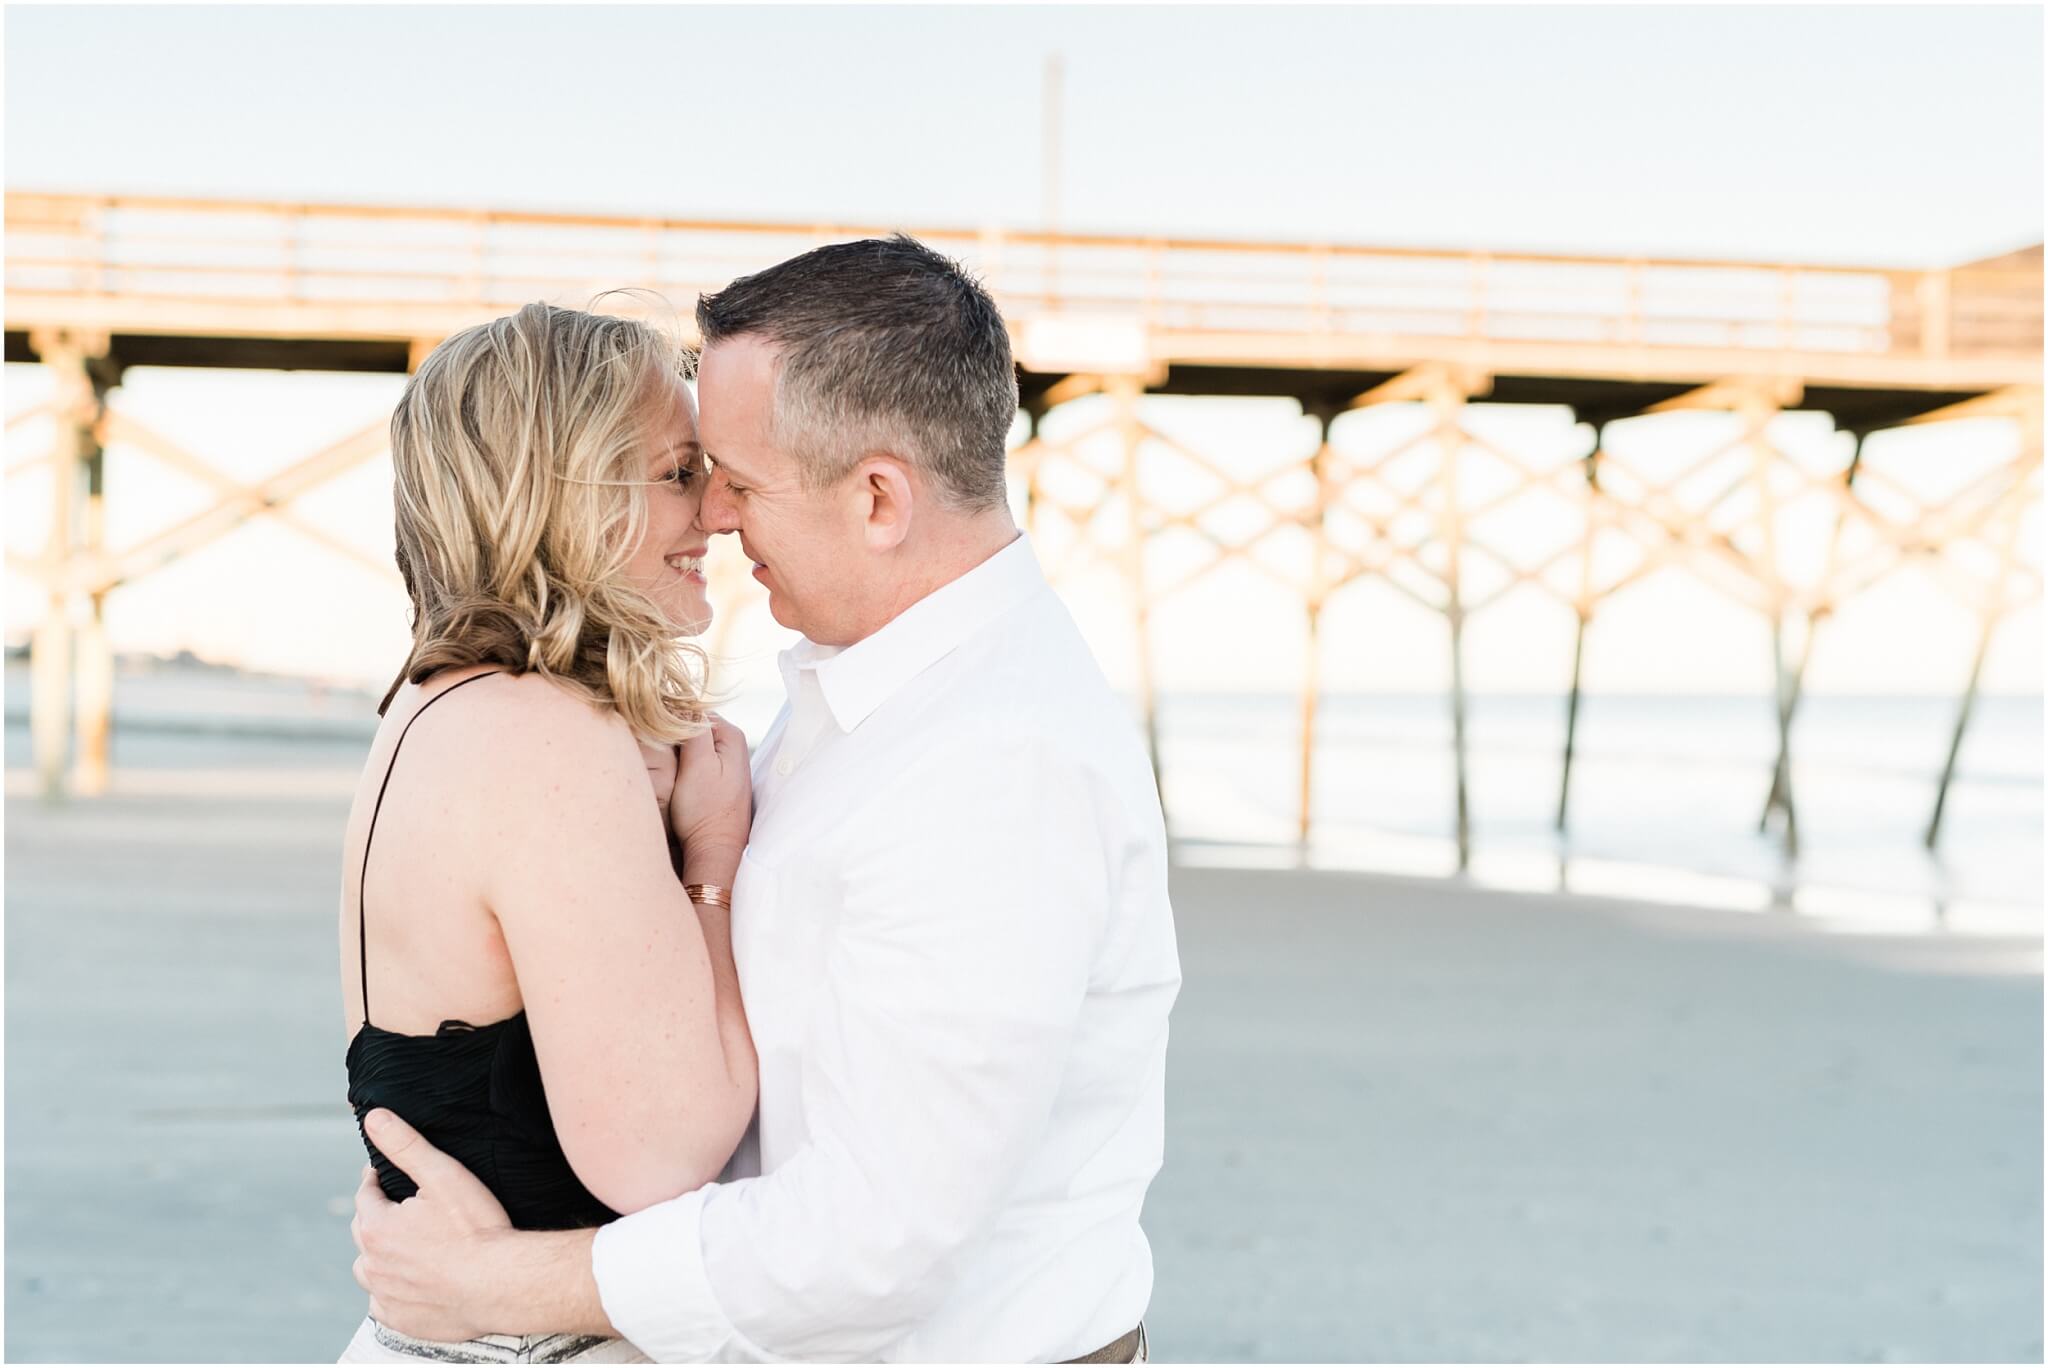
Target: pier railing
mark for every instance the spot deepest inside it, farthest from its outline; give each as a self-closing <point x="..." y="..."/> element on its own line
<point x="334" y="270"/>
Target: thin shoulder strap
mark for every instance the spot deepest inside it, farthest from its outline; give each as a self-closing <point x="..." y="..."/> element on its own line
<point x="363" y="880"/>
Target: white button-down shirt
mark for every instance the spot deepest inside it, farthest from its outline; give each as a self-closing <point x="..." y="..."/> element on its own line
<point x="952" y="933"/>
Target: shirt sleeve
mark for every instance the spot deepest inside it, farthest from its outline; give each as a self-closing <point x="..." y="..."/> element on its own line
<point x="975" y="897"/>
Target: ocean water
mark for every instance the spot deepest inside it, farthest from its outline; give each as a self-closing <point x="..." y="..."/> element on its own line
<point x="1666" y="801"/>
<point x="1667" y="791"/>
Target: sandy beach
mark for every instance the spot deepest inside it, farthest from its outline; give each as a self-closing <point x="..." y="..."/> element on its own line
<point x="1409" y="1120"/>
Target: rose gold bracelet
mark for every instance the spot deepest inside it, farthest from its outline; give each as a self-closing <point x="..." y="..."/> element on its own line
<point x="711" y="895"/>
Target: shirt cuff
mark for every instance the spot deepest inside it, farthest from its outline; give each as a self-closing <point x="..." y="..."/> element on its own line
<point x="650" y="1276"/>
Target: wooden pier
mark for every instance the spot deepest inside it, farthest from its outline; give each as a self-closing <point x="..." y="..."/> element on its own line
<point x="98" y="283"/>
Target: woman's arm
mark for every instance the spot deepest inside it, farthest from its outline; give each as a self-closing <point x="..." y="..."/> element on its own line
<point x="631" y="995"/>
<point x="711" y="812"/>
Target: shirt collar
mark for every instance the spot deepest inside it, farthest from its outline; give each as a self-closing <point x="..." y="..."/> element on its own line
<point x="857" y="679"/>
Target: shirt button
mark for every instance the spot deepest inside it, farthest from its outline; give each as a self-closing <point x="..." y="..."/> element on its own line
<point x="784" y="765"/>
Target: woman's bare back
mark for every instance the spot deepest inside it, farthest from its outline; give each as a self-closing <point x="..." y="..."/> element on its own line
<point x="518" y="874"/>
<point x="433" y="949"/>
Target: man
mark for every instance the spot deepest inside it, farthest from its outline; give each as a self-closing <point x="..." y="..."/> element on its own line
<point x="951" y="926"/>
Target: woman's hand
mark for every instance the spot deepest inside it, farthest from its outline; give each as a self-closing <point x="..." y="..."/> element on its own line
<point x="712" y="808"/>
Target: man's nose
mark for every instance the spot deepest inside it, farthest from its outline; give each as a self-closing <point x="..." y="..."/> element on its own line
<point x="717" y="509"/>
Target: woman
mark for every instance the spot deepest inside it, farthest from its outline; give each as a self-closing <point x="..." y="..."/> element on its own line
<point x="525" y="978"/>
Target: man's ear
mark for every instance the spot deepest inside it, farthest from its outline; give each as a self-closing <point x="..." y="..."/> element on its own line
<point x="888" y="498"/>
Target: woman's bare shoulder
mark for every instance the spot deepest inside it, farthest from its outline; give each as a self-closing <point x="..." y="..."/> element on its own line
<point x="529" y="724"/>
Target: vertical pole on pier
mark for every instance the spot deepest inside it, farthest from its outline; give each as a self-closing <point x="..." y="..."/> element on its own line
<point x="94" y="651"/>
<point x="83" y="378"/>
<point x="1757" y="409"/>
<point x="1994" y="604"/>
<point x="1444" y="391"/>
<point x="1052" y="96"/>
<point x="1033" y="458"/>
<point x="1582" y="610"/>
<point x="95" y="702"/>
<point x="1049" y="171"/>
<point x="50" y="648"/>
<point x="1124" y="391"/>
<point x="1447" y="402"/>
<point x="1788" y="703"/>
<point x="1318" y="594"/>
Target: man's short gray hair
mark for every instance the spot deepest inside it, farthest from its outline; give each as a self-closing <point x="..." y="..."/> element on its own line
<point x="884" y="345"/>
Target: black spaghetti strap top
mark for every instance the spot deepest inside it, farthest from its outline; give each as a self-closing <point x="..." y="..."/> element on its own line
<point x="474" y="1092"/>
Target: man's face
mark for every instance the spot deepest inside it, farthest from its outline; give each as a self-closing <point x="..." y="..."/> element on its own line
<point x="806" y="545"/>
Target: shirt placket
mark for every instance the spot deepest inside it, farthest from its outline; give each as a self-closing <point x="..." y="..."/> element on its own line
<point x="807" y="719"/>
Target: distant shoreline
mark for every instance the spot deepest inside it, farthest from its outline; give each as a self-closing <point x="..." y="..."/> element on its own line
<point x="194" y="669"/>
<point x="193" y="697"/>
<point x="1663" y="800"/>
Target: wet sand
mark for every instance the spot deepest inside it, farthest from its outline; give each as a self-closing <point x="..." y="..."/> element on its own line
<point x="1409" y="1120"/>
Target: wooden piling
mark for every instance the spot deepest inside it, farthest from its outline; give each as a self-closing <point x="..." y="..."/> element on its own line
<point x="1316" y="595"/>
<point x="1124" y="391"/>
<point x="1582" y="614"/>
<point x="2014" y="512"/>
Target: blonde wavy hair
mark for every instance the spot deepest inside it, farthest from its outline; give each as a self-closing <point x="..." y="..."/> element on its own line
<point x="519" y="453"/>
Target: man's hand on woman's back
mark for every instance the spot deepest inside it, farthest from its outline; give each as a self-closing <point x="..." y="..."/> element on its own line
<point x="436" y="1265"/>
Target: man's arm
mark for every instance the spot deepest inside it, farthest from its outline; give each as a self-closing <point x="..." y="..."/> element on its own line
<point x="935" y="1055"/>
<point x="447" y="1264"/>
<point x="975" y="900"/>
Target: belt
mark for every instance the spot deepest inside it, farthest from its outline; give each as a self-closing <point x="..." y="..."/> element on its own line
<point x="1124" y="1350"/>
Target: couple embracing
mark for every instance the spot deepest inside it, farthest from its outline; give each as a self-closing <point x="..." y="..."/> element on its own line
<point x="850" y="1050"/>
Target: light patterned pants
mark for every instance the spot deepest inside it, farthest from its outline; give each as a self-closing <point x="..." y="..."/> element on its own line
<point x="374" y="1343"/>
<point x="1138" y="1351"/>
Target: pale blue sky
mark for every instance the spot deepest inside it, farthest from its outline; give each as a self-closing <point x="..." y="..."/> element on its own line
<point x="1856" y="134"/>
